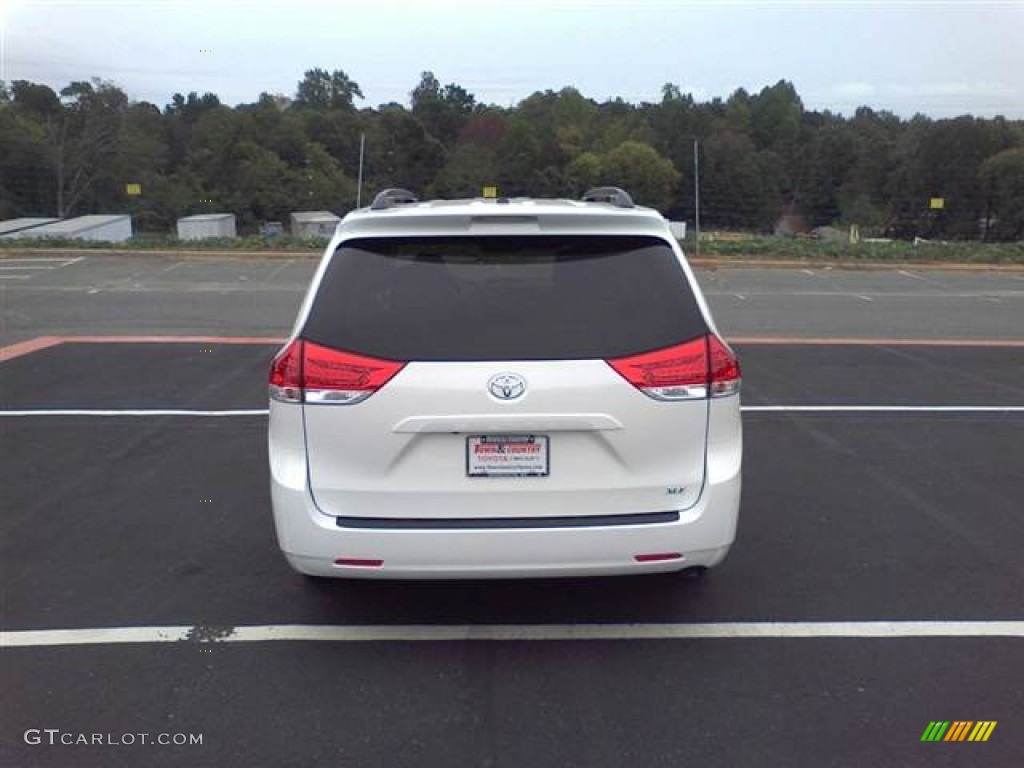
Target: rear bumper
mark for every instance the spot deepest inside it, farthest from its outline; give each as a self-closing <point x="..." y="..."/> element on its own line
<point x="312" y="542"/>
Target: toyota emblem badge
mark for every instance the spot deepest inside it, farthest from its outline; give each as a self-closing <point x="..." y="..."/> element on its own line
<point x="507" y="386"/>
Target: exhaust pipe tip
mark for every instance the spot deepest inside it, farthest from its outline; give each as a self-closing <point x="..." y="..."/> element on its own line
<point x="694" y="573"/>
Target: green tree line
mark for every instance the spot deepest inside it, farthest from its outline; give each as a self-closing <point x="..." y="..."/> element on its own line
<point x="759" y="155"/>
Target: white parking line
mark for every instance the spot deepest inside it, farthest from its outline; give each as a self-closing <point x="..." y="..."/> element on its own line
<point x="35" y="265"/>
<point x="925" y="294"/>
<point x="510" y="632"/>
<point x="882" y="408"/>
<point x="44" y="258"/>
<point x="132" y="412"/>
<point x="965" y="409"/>
<point x="168" y="268"/>
<point x="270" y="278"/>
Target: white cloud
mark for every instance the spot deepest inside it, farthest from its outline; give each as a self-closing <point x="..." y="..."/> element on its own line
<point x="939" y="99"/>
<point x="854" y="90"/>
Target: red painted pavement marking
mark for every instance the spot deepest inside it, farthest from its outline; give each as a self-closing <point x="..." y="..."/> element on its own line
<point x="45" y="342"/>
<point x="171" y="339"/>
<point x="751" y="341"/>
<point x="27" y="347"/>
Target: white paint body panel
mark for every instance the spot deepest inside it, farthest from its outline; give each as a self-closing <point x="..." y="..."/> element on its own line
<point x="360" y="465"/>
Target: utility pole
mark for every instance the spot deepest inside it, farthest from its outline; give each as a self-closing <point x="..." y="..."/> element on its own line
<point x="359" y="187"/>
<point x="696" y="200"/>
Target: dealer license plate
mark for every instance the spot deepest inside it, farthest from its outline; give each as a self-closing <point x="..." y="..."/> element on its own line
<point x="507" y="455"/>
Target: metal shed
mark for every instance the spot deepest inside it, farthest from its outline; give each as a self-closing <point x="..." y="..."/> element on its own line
<point x="314" y="224"/>
<point x="204" y="225"/>
<point x="104" y="227"/>
<point x="14" y="227"/>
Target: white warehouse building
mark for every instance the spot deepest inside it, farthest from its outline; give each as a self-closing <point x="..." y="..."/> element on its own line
<point x="204" y="225"/>
<point x="314" y="224"/>
<point x="108" y="228"/>
<point x="12" y="227"/>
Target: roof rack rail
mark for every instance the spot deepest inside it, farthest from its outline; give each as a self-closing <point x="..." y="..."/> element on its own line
<point x="617" y="197"/>
<point x="390" y="198"/>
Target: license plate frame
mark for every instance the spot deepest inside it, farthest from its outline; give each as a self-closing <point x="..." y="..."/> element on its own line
<point x="530" y="456"/>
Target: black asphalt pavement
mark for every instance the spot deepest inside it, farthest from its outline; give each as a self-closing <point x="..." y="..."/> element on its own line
<point x="131" y="521"/>
<point x="861" y="703"/>
<point x="125" y="376"/>
<point x="843" y="519"/>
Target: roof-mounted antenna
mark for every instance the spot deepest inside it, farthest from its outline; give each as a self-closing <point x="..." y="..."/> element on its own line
<point x="390" y="198"/>
<point x="612" y="195"/>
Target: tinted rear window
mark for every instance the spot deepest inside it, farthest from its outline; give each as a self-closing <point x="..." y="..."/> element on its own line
<point x="503" y="298"/>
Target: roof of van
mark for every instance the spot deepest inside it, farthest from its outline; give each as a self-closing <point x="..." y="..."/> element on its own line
<point x="512" y="216"/>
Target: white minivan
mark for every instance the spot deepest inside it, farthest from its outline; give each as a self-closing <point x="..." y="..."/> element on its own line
<point x="504" y="388"/>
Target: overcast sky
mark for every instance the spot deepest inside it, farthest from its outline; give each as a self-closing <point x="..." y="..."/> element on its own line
<point x="938" y="58"/>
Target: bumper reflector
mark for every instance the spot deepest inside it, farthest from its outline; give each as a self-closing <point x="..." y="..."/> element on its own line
<point x="657" y="556"/>
<point x="359" y="562"/>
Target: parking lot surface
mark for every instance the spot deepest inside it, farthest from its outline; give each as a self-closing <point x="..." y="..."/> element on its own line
<point x="253" y="297"/>
<point x="875" y="585"/>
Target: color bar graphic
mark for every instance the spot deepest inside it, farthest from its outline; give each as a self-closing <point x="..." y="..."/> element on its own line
<point x="935" y="731"/>
<point x="982" y="730"/>
<point x="958" y="730"/>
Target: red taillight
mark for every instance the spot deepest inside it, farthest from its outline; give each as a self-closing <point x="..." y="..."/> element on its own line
<point x="672" y="373"/>
<point x="324" y="368"/>
<point x="687" y="371"/>
<point x="725" y="368"/>
<point x="309" y="372"/>
<point x="286" y="374"/>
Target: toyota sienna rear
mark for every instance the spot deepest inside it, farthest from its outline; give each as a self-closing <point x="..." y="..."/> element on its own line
<point x="504" y="388"/>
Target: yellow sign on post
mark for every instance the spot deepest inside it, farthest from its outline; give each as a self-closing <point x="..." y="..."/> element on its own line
<point x="490" y="192"/>
<point x="937" y="203"/>
<point x="133" y="189"/>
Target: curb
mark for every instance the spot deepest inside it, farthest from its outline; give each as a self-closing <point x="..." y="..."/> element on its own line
<point x="703" y="262"/>
<point x="925" y="266"/>
<point x="8" y="253"/>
